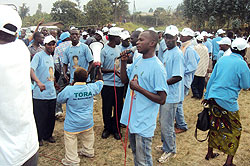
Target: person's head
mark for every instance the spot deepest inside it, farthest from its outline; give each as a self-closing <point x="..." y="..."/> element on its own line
<point x="205" y="35"/>
<point x="10" y="24"/>
<point x="22" y="34"/>
<point x="44" y="31"/>
<point x="98" y="35"/>
<point x="84" y="35"/>
<point x="186" y="34"/>
<point x="105" y="30"/>
<point x="125" y="38"/>
<point x="134" y="37"/>
<point x="80" y="75"/>
<point x="50" y="44"/>
<point x="221" y="33"/>
<point x="160" y="35"/>
<point x="230" y="34"/>
<point x="75" y="60"/>
<point x="224" y="43"/>
<point x="114" y="35"/>
<point x="147" y="41"/>
<point x="53" y="32"/>
<point x="170" y="36"/>
<point x="65" y="36"/>
<point x="38" y="38"/>
<point x="200" y="39"/>
<point x="239" y="46"/>
<point x="74" y="36"/>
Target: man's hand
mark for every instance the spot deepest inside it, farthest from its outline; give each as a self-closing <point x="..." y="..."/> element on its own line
<point x="134" y="84"/>
<point x="57" y="86"/>
<point x="41" y="22"/>
<point x="125" y="56"/>
<point x="117" y="72"/>
<point x="66" y="77"/>
<point x="41" y="86"/>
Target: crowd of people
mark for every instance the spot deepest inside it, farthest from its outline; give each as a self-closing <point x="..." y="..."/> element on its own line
<point x="140" y="74"/>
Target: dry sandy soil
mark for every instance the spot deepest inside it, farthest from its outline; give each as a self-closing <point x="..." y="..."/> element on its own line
<point x="190" y="152"/>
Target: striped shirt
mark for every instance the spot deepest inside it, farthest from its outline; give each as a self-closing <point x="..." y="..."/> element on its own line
<point x="204" y="60"/>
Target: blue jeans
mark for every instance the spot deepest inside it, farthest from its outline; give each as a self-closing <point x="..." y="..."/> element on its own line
<point x="141" y="149"/>
<point x="179" y="118"/>
<point x="167" y="116"/>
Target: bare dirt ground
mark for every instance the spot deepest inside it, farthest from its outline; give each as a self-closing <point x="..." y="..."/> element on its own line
<point x="109" y="152"/>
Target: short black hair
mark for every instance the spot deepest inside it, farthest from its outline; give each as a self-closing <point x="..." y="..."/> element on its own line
<point x="80" y="75"/>
<point x="153" y="35"/>
<point x="36" y="35"/>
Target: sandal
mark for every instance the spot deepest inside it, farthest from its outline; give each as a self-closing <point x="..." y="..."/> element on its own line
<point x="214" y="156"/>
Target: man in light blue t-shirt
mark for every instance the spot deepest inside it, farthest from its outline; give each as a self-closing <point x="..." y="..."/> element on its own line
<point x="150" y="91"/>
<point x="77" y="55"/>
<point x="215" y="45"/>
<point x="173" y="61"/>
<point x="44" y="93"/>
<point x="79" y="122"/>
<point x="110" y="65"/>
<point x="191" y="60"/>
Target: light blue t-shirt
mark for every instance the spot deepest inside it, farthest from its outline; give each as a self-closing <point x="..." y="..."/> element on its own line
<point x="79" y="105"/>
<point x="220" y="54"/>
<point x="108" y="55"/>
<point x="191" y="60"/>
<point x="216" y="47"/>
<point x="229" y="76"/>
<point x="77" y="56"/>
<point x="152" y="77"/>
<point x="209" y="46"/>
<point x="43" y="65"/>
<point x="162" y="48"/>
<point x="173" y="61"/>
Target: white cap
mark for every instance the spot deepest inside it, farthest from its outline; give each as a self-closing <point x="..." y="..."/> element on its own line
<point x="48" y="39"/>
<point x="220" y="31"/>
<point x="84" y="33"/>
<point x="153" y="29"/>
<point x="200" y="38"/>
<point x="210" y="35"/>
<point x="197" y="33"/>
<point x="204" y="33"/>
<point x="115" y="31"/>
<point x="171" y="30"/>
<point x="99" y="33"/>
<point x="73" y="28"/>
<point x="105" y="29"/>
<point x="225" y="40"/>
<point x="239" y="44"/>
<point x="140" y="29"/>
<point x="9" y="16"/>
<point x="125" y="35"/>
<point x="187" y="32"/>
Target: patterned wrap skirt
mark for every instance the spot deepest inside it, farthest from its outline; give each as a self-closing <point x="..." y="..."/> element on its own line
<point x="225" y="129"/>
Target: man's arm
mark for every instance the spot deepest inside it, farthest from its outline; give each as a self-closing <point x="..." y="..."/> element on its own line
<point x="174" y="80"/>
<point x="90" y="66"/>
<point x="38" y="82"/>
<point x="124" y="59"/>
<point x="39" y="24"/>
<point x="159" y="98"/>
<point x="65" y="69"/>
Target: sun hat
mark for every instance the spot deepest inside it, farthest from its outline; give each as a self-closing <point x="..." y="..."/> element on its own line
<point x="240" y="44"/>
<point x="105" y="29"/>
<point x="200" y="38"/>
<point x="171" y="30"/>
<point x="49" y="39"/>
<point x="140" y="29"/>
<point x="220" y="31"/>
<point x="187" y="32"/>
<point x="115" y="31"/>
<point x="225" y="40"/>
<point x="9" y="18"/>
<point x="125" y="35"/>
<point x="64" y="35"/>
<point x="99" y="33"/>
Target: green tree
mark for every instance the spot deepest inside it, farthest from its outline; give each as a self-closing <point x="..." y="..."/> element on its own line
<point x="39" y="9"/>
<point x="120" y="9"/>
<point x="151" y="10"/>
<point x="98" y="12"/>
<point x="23" y="10"/>
<point x="67" y="12"/>
<point x="160" y="15"/>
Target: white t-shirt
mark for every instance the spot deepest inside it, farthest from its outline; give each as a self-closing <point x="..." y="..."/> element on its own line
<point x="18" y="134"/>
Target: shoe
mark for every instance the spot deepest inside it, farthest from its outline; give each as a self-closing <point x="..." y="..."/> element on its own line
<point x="68" y="163"/>
<point x="178" y="131"/>
<point x="82" y="153"/>
<point x="159" y="148"/>
<point x="105" y="134"/>
<point x="41" y="143"/>
<point x="166" y="156"/>
<point x="51" y="140"/>
<point x="117" y="136"/>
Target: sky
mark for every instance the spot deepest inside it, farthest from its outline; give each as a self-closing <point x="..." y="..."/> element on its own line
<point x="141" y="5"/>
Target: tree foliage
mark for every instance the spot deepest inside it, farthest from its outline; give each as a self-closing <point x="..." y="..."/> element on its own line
<point x="120" y="9"/>
<point x="98" y="12"/>
<point x="67" y="12"/>
<point x="23" y="10"/>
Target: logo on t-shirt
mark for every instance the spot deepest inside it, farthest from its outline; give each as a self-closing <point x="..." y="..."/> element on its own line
<point x="51" y="74"/>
